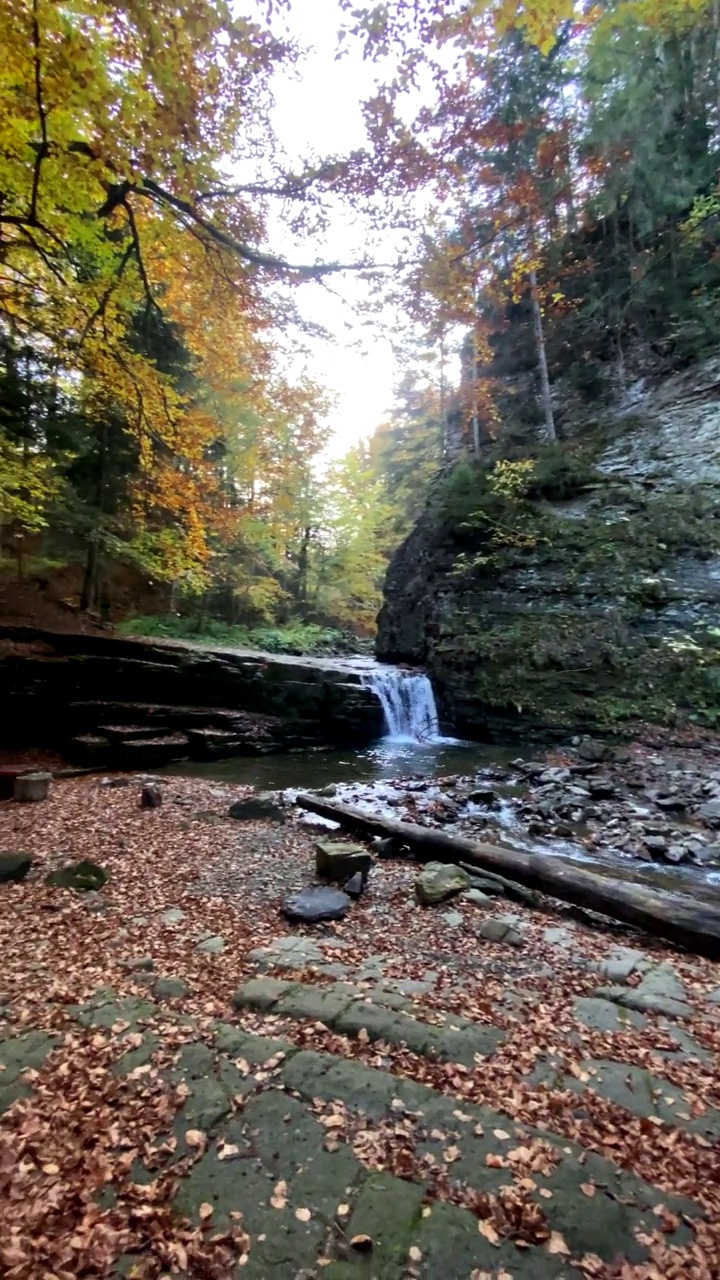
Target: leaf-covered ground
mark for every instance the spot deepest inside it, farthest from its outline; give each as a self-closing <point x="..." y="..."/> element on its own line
<point x="207" y="1126"/>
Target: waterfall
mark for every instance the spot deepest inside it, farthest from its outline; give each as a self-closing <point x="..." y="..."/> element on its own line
<point x="408" y="703"/>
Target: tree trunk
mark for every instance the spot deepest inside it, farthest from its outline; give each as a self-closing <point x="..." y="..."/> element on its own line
<point x="550" y="431"/>
<point x="691" y="924"/>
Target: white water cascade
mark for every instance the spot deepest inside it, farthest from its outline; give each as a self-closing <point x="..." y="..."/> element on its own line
<point x="408" y="704"/>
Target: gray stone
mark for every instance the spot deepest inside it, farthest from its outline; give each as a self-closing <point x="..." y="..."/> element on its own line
<point x="605" y="1015"/>
<point x="138" y="964"/>
<point x="173" y="916"/>
<point x="83" y="876"/>
<point x="714" y="996"/>
<point x="317" y="1004"/>
<point x="453" y="918"/>
<point x="621" y="962"/>
<point x="477" y="898"/>
<point x="655" y="844"/>
<point x="710" y="813"/>
<point x="213" y="946"/>
<point x="660" y="991"/>
<point x="337" y="861"/>
<point x="261" y="993"/>
<point x="484" y="796"/>
<point x="355" y="885"/>
<point x="262" y="806"/>
<point x="170" y="989"/>
<point x="14" y="867"/>
<point x="32" y="786"/>
<point x="438" y="881"/>
<point x="313" y="905"/>
<point x="500" y="930"/>
<point x="560" y="937"/>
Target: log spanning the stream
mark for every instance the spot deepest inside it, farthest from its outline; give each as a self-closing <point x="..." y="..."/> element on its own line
<point x="695" y="925"/>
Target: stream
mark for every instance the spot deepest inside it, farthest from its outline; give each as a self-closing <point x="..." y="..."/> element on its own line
<point x="482" y="791"/>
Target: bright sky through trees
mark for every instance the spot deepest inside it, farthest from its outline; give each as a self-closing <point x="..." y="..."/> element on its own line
<point x="318" y="113"/>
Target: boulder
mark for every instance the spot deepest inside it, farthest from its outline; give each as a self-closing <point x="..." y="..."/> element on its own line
<point x="84" y="876"/>
<point x="315" y="904"/>
<point x="262" y="806"/>
<point x="14" y="866"/>
<point x="440" y="880"/>
<point x="32" y="786"/>
<point x="337" y="861"/>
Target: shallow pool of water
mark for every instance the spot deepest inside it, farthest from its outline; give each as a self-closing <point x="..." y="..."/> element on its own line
<point x="387" y="759"/>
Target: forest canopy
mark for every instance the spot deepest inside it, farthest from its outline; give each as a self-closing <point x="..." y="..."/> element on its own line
<point x="556" y="170"/>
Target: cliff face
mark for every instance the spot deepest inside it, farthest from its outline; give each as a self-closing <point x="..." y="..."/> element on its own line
<point x="590" y="601"/>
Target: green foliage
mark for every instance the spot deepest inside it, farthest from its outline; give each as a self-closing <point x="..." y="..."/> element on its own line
<point x="295" y="637"/>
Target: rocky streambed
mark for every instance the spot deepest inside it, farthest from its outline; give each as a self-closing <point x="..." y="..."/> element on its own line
<point x="640" y="813"/>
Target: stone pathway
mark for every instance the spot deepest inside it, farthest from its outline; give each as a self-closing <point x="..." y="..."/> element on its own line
<point x="292" y="1140"/>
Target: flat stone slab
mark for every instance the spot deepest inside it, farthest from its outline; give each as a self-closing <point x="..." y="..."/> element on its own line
<point x="275" y="1165"/>
<point x="660" y="991"/>
<point x="643" y="1094"/>
<point x="621" y="962"/>
<point x="502" y="929"/>
<point x="605" y="1015"/>
<point x="316" y="904"/>
<point x="346" y="1010"/>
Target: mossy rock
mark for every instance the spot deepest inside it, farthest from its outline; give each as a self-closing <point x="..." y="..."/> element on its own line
<point x="85" y="876"/>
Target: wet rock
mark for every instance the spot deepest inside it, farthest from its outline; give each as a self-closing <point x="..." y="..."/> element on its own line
<point x="337" y="861"/>
<point x="314" y="904"/>
<point x="329" y="791"/>
<point x="150" y="796"/>
<point x="709" y="813"/>
<point x="594" y="751"/>
<point x="355" y="886"/>
<point x="263" y="806"/>
<point x="14" y="867"/>
<point x="677" y="853"/>
<point x="655" y="845"/>
<point x="440" y="880"/>
<point x="484" y="796"/>
<point x="387" y="847"/>
<point x="84" y="876"/>
<point x="601" y="788"/>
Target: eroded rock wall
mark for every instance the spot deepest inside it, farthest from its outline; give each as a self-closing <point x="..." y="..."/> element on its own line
<point x="612" y="615"/>
<point x="116" y="701"/>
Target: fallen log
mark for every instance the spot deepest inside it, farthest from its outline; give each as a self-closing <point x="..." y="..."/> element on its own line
<point x="694" y="925"/>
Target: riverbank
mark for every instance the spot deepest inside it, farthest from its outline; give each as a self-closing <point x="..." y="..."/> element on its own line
<point x="397" y="1074"/>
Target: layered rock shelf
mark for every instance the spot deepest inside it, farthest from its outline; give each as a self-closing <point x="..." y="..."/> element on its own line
<point x="111" y="702"/>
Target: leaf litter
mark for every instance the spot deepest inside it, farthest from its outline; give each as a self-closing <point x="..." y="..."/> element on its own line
<point x="83" y="1129"/>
